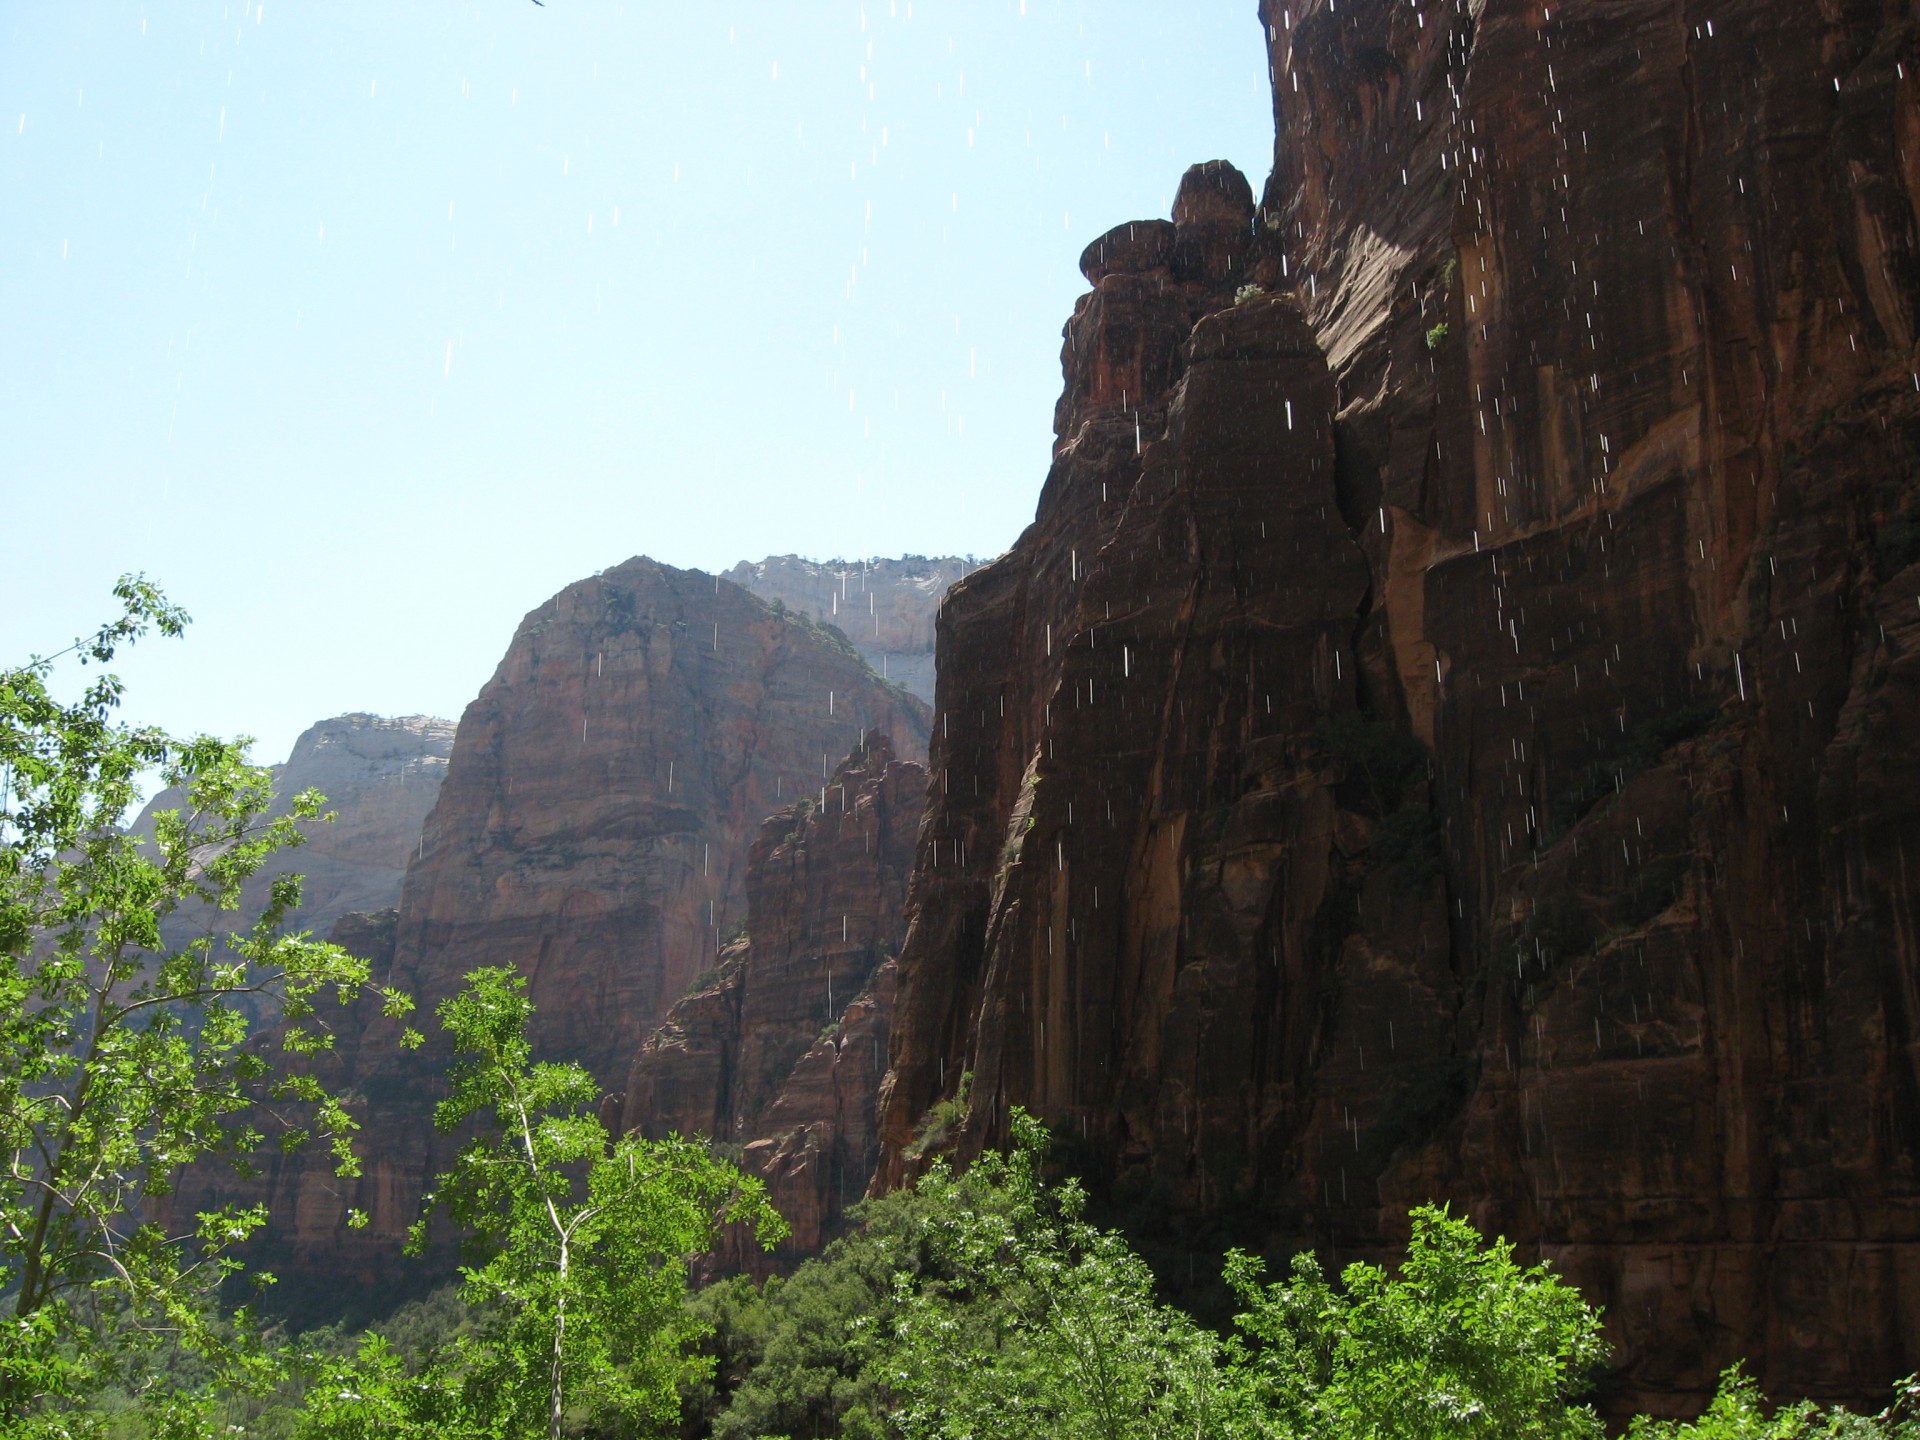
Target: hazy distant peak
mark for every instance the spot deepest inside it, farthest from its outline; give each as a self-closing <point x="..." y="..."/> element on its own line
<point x="885" y="606"/>
<point x="376" y="739"/>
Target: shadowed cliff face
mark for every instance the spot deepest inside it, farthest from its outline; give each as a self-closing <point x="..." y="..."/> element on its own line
<point x="780" y="1051"/>
<point x="592" y="833"/>
<point x="1567" y="878"/>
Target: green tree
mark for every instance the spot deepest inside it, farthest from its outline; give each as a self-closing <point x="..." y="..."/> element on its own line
<point x="798" y="1356"/>
<point x="1035" y="1321"/>
<point x="122" y="1060"/>
<point x="1740" y="1412"/>
<point x="1462" y="1343"/>
<point x="578" y="1250"/>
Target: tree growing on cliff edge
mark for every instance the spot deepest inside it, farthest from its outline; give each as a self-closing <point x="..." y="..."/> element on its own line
<point x="121" y="1060"/>
<point x="578" y="1244"/>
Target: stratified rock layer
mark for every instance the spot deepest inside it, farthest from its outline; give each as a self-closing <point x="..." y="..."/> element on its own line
<point x="885" y="606"/>
<point x="1460" y="755"/>
<point x="780" y="1052"/>
<point x="592" y="834"/>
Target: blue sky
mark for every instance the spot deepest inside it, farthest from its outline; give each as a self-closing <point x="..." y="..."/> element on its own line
<point x="364" y="327"/>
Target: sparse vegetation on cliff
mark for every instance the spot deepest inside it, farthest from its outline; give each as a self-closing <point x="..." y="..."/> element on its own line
<point x="941" y="1119"/>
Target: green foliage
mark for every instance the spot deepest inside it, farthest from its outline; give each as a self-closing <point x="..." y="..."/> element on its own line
<point x="974" y="1304"/>
<point x="1740" y="1412"/>
<point x="714" y="976"/>
<point x="1462" y="1343"/>
<point x="577" y="1253"/>
<point x="941" y="1119"/>
<point x="984" y="1304"/>
<point x="1382" y="768"/>
<point x="825" y="631"/>
<point x="802" y="809"/>
<point x="1035" y="1322"/>
<point x="1437" y="335"/>
<point x="122" y="1061"/>
<point x="798" y="1358"/>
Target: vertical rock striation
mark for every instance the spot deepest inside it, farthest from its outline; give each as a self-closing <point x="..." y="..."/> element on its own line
<point x="606" y="784"/>
<point x="1459" y="755"/>
<point x="592" y="833"/>
<point x="780" y="1050"/>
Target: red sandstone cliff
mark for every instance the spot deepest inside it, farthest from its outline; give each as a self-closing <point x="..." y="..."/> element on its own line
<point x="1461" y="755"/>
<point x="592" y="832"/>
<point x="781" y="1050"/>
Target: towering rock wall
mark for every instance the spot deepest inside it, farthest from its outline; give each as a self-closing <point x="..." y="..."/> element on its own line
<point x="592" y="833"/>
<point x="606" y="784"/>
<point x="885" y="607"/>
<point x="1459" y="757"/>
<point x="781" y="1051"/>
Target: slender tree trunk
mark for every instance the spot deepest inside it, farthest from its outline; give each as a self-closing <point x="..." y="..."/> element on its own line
<point x="34" y="1279"/>
<point x="559" y="1346"/>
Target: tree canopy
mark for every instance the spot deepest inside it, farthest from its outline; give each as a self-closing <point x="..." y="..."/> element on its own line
<point x="123" y="1060"/>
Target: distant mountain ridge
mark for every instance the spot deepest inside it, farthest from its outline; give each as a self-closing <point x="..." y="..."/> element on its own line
<point x="593" y="830"/>
<point x="886" y="607"/>
<point x="381" y="776"/>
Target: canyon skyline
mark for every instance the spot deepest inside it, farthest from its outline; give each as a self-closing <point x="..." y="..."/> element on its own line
<point x="1444" y="736"/>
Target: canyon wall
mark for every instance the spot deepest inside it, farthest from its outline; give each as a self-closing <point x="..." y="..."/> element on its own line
<point x="779" y="1053"/>
<point x="593" y="833"/>
<point x="886" y="607"/>
<point x="380" y="776"/>
<point x="1442" y="736"/>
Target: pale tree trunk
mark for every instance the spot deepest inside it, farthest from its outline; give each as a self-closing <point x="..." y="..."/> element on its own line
<point x="559" y="1346"/>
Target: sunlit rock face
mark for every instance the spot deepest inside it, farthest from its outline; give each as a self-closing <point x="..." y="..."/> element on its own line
<point x="779" y="1051"/>
<point x="1443" y="736"/>
<point x="592" y="833"/>
<point x="605" y="788"/>
<point x="885" y="607"/>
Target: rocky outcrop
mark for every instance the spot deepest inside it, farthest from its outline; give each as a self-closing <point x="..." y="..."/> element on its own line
<point x="592" y="833"/>
<point x="779" y="1051"/>
<point x="381" y="777"/>
<point x="606" y="785"/>
<point x="1440" y="736"/>
<point x="884" y="606"/>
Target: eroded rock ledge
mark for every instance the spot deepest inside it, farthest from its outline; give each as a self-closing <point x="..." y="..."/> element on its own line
<point x="778" y="1052"/>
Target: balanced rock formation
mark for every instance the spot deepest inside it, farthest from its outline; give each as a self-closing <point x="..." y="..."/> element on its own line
<point x="884" y="606"/>
<point x="592" y="833"/>
<point x="780" y="1050"/>
<point x="381" y="777"/>
<point x="1442" y="736"/>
